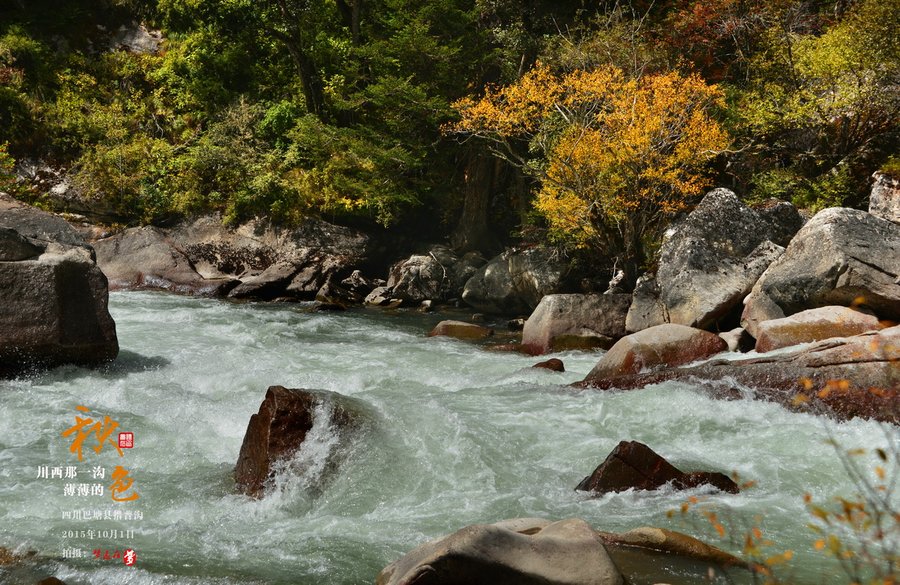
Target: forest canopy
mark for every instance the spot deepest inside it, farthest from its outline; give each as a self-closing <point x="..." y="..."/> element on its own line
<point x="597" y="121"/>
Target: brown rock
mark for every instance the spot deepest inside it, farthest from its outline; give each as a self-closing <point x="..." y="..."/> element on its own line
<point x="50" y="581"/>
<point x="813" y="325"/>
<point x="553" y="364"/>
<point x="573" y="321"/>
<point x="460" y="330"/>
<point x="662" y="345"/>
<point x="675" y="543"/>
<point x="285" y="417"/>
<point x="842" y="378"/>
<point x="633" y="465"/>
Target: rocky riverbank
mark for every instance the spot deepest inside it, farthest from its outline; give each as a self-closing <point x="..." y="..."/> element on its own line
<point x="831" y="284"/>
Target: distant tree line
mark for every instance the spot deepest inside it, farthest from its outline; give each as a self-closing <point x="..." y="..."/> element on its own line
<point x="584" y="123"/>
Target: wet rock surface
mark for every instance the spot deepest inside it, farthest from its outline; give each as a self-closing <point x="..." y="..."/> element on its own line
<point x="657" y="347"/>
<point x="842" y="378"/>
<point x="565" y="552"/>
<point x="633" y="465"/>
<point x="460" y="330"/>
<point x="285" y="418"/>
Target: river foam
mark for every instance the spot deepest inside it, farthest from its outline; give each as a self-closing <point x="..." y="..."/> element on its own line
<point x="460" y="435"/>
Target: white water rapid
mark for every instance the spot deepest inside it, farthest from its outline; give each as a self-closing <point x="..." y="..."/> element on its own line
<point x="458" y="435"/>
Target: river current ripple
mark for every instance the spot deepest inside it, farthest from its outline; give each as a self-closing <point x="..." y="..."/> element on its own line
<point x="458" y="435"/>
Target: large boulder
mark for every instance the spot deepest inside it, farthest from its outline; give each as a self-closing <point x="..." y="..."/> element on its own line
<point x="144" y="257"/>
<point x="438" y="275"/>
<point x="840" y="257"/>
<point x="841" y="377"/>
<point x="568" y="552"/>
<point x="813" y="325"/>
<point x="646" y="309"/>
<point x="656" y="347"/>
<point x="53" y="298"/>
<point x="269" y="284"/>
<point x="272" y="261"/>
<point x="712" y="257"/>
<point x="884" y="201"/>
<point x="574" y="321"/>
<point x="285" y="419"/>
<point x="515" y="281"/>
<point x="634" y="465"/>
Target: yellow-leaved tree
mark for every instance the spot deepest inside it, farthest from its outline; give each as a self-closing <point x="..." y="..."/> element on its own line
<point x="615" y="157"/>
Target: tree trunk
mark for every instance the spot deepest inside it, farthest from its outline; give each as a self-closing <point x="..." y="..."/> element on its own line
<point x="313" y="88"/>
<point x="350" y="12"/>
<point x="480" y="176"/>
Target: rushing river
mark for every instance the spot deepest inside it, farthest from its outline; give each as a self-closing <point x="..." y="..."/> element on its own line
<point x="458" y="435"/>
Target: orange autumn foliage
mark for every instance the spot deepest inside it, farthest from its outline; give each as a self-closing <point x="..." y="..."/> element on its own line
<point x="616" y="157"/>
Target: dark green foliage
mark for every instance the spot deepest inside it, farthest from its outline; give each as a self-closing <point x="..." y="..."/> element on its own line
<point x="288" y="108"/>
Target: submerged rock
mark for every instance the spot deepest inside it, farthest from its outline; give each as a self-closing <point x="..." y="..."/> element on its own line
<point x="841" y="257"/>
<point x="573" y="321"/>
<point x="633" y="465"/>
<point x="842" y="378"/>
<point x="53" y="298"/>
<point x="553" y="364"/>
<point x="653" y="348"/>
<point x="279" y="428"/>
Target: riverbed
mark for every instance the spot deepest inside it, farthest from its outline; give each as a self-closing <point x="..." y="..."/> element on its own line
<point x="456" y="434"/>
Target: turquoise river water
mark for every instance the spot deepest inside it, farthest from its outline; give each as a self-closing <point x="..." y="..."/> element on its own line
<point x="457" y="435"/>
